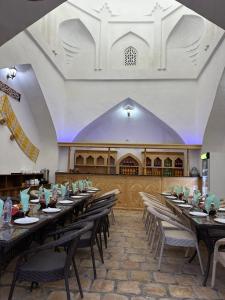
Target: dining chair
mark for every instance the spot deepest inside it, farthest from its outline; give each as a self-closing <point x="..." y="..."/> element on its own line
<point x="44" y="264"/>
<point x="112" y="193"/>
<point x="218" y="256"/>
<point x="105" y="224"/>
<point x="182" y="236"/>
<point x="93" y="237"/>
<point x="152" y="226"/>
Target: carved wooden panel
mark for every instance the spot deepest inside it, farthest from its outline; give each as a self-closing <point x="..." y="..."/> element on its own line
<point x="130" y="186"/>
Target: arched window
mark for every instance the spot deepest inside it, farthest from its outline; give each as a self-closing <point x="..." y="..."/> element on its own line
<point x="130" y="56"/>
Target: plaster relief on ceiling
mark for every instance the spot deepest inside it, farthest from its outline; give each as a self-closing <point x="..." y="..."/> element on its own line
<point x="186" y="37"/>
<point x="77" y="43"/>
<point x="187" y="31"/>
<point x="158" y="8"/>
<point x="105" y="10"/>
<point x="133" y="41"/>
<point x="178" y="37"/>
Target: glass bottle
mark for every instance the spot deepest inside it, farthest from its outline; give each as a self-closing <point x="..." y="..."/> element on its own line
<point x="212" y="211"/>
<point x="7" y="211"/>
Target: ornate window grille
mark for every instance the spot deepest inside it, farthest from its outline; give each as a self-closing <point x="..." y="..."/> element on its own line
<point x="130" y="56"/>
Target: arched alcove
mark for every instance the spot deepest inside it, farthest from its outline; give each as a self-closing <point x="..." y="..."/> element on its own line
<point x="188" y="30"/>
<point x="142" y="126"/>
<point x="130" y="41"/>
<point x="184" y="40"/>
<point x="78" y="45"/>
<point x="129" y="164"/>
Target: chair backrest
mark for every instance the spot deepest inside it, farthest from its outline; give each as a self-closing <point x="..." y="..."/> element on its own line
<point x="73" y="244"/>
<point x="160" y="216"/>
<point x="101" y="199"/>
<point x="157" y="204"/>
<point x="150" y="196"/>
<point x="112" y="192"/>
<point x="69" y="240"/>
<point x="96" y="218"/>
<point x="107" y="204"/>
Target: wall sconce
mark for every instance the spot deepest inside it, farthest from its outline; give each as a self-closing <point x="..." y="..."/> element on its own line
<point x="11" y="72"/>
<point x="128" y="108"/>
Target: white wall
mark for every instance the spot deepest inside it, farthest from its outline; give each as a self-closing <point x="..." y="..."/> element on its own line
<point x="175" y="89"/>
<point x="33" y="115"/>
<point x="183" y="104"/>
<point x="140" y="127"/>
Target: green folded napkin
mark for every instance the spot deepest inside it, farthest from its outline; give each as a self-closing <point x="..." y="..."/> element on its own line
<point x="80" y="185"/>
<point x="196" y="197"/>
<point x="211" y="201"/>
<point x="1" y="207"/>
<point x="178" y="189"/>
<point x="24" y="198"/>
<point x="54" y="186"/>
<point x="47" y="196"/>
<point x="74" y="187"/>
<point x="89" y="183"/>
<point x="186" y="192"/>
<point x="25" y="191"/>
<point x="63" y="191"/>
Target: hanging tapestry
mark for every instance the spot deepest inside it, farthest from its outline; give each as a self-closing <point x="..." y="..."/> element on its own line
<point x="9" y="91"/>
<point x="7" y="113"/>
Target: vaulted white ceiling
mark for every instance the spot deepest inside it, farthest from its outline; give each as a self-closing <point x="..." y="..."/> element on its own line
<point x="87" y="39"/>
<point x="80" y="51"/>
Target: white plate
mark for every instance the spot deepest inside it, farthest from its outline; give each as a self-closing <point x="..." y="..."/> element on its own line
<point x="166" y="193"/>
<point x="51" y="210"/>
<point x="26" y="221"/>
<point x="76" y="197"/>
<point x="65" y="202"/>
<point x="178" y="201"/>
<point x="185" y="205"/>
<point x="221" y="209"/>
<point x="198" y="214"/>
<point x="220" y="220"/>
<point x="35" y="200"/>
<point x="91" y="191"/>
<point x="83" y="194"/>
<point x="171" y="197"/>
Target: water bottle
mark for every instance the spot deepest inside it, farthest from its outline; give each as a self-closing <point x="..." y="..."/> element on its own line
<point x="54" y="194"/>
<point x="67" y="194"/>
<point x="7" y="211"/>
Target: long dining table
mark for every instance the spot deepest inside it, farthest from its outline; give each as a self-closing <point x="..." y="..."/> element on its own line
<point x="15" y="238"/>
<point x="206" y="228"/>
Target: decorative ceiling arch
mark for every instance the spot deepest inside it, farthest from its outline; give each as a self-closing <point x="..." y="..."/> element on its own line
<point x="76" y="39"/>
<point x="115" y="125"/>
<point x="130" y="33"/>
<point x="186" y="37"/>
<point x="188" y="31"/>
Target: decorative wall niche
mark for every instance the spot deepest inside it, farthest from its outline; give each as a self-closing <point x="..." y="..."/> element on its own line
<point x="130" y="50"/>
<point x="185" y="39"/>
<point x="78" y="45"/>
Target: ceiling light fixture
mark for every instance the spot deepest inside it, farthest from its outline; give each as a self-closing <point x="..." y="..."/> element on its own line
<point x="11" y="73"/>
<point x="128" y="108"/>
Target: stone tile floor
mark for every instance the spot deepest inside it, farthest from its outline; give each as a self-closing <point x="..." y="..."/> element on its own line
<point x="129" y="273"/>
